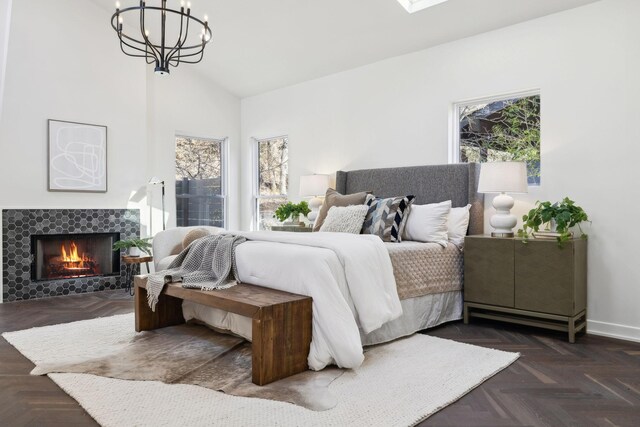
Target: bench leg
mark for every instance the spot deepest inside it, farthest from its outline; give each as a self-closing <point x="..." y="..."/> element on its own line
<point x="281" y="341"/>
<point x="168" y="311"/>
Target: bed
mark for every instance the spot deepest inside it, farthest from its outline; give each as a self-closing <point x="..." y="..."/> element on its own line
<point x="438" y="301"/>
<point x="426" y="278"/>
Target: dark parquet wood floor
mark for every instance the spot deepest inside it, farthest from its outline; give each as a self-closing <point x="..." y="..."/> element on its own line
<point x="595" y="382"/>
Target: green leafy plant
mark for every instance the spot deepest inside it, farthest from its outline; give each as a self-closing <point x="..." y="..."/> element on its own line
<point x="143" y="244"/>
<point x="566" y="214"/>
<point x="292" y="210"/>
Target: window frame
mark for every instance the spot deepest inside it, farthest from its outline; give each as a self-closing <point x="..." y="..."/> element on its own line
<point x="255" y="154"/>
<point x="224" y="175"/>
<point x="454" y="139"/>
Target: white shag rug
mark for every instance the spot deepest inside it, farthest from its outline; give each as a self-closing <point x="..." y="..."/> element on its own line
<point x="402" y="385"/>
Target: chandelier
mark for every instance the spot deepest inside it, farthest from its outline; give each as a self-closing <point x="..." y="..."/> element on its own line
<point x="172" y="45"/>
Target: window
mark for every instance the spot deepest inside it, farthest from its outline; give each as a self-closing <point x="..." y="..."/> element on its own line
<point x="499" y="129"/>
<point x="272" y="178"/>
<point x="200" y="181"/>
<point x="413" y="6"/>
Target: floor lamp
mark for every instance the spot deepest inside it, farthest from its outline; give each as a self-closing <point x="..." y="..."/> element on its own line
<point x="156" y="181"/>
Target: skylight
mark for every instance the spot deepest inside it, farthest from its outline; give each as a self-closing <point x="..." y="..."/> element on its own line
<point x="418" y="5"/>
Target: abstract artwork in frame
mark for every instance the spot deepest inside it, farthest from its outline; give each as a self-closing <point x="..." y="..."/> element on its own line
<point x="77" y="157"/>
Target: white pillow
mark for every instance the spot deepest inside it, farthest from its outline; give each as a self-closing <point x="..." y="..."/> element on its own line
<point x="458" y="225"/>
<point x="347" y="219"/>
<point x="428" y="223"/>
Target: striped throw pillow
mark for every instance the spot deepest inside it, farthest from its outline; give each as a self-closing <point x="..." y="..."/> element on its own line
<point x="386" y="218"/>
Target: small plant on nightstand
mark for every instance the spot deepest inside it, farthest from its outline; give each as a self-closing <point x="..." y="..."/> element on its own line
<point x="133" y="246"/>
<point x="557" y="218"/>
<point x="292" y="210"/>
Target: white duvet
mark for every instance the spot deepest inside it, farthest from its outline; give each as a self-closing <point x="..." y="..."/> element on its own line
<point x="349" y="277"/>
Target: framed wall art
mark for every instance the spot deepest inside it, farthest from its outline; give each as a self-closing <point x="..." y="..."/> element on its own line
<point x="77" y="157"/>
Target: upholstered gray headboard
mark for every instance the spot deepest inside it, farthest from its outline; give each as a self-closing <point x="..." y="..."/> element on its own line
<point x="430" y="184"/>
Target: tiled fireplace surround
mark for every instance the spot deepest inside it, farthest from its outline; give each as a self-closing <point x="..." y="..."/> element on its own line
<point x="19" y="224"/>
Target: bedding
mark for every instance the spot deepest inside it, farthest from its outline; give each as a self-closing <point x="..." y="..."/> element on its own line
<point x="458" y="225"/>
<point x="349" y="277"/>
<point x="428" y="223"/>
<point x="425" y="268"/>
<point x="419" y="313"/>
<point x="428" y="301"/>
<point x="333" y="198"/>
<point x="387" y="217"/>
<point x="346" y="219"/>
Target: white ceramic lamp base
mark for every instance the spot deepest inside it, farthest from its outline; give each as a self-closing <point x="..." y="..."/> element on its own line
<point x="503" y="221"/>
<point x="314" y="205"/>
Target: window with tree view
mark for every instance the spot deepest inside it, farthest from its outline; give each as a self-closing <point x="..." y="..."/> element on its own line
<point x="200" y="182"/>
<point x="272" y="178"/>
<point x="501" y="129"/>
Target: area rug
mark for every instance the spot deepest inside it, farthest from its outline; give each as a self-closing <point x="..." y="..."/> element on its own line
<point x="399" y="384"/>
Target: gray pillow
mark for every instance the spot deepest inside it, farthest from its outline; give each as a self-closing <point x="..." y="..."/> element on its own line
<point x="346" y="219"/>
<point x="333" y="198"/>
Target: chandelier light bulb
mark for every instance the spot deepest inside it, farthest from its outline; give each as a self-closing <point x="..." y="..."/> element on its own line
<point x="120" y="20"/>
<point x="206" y="18"/>
<point x="117" y="5"/>
<point x="146" y="33"/>
<point x="188" y="5"/>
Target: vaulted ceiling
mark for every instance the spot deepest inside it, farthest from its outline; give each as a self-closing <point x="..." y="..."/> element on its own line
<point x="261" y="45"/>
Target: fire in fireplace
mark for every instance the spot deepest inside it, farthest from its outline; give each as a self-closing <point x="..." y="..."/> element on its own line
<point x="64" y="256"/>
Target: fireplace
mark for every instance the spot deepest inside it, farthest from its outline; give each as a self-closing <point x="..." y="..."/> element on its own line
<point x="67" y="256"/>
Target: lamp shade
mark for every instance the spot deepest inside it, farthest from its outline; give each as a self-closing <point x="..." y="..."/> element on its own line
<point x="503" y="177"/>
<point x="314" y="185"/>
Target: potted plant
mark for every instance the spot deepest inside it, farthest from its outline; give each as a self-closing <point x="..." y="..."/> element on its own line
<point x="557" y="219"/>
<point x="133" y="246"/>
<point x="292" y="211"/>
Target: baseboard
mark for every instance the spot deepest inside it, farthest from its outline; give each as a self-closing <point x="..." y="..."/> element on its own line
<point x="613" y="330"/>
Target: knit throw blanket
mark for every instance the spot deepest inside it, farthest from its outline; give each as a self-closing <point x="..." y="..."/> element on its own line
<point x="207" y="263"/>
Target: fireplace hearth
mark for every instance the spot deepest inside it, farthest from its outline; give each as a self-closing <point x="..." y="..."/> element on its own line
<point x="67" y="256"/>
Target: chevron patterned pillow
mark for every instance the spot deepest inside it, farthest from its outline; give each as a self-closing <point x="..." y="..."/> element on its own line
<point x="386" y="218"/>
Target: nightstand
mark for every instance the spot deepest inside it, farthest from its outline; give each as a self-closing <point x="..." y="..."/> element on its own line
<point x="536" y="283"/>
<point x="292" y="228"/>
<point x="132" y="267"/>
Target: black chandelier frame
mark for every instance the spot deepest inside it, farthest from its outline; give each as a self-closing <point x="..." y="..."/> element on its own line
<point x="162" y="55"/>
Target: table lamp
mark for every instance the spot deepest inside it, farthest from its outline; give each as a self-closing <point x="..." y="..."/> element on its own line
<point x="314" y="186"/>
<point x="503" y="177"/>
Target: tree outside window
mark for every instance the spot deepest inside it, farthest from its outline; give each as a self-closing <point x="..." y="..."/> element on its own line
<point x="272" y="178"/>
<point x="200" y="184"/>
<point x="501" y="129"/>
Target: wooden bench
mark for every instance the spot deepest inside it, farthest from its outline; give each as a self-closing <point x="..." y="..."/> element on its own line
<point x="281" y="334"/>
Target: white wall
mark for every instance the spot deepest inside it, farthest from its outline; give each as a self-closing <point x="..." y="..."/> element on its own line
<point x="5" y="25"/>
<point x="62" y="65"/>
<point x="585" y="61"/>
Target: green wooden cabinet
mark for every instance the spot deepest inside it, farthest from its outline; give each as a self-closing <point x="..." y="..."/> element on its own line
<point x="536" y="283"/>
<point x="291" y="228"/>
